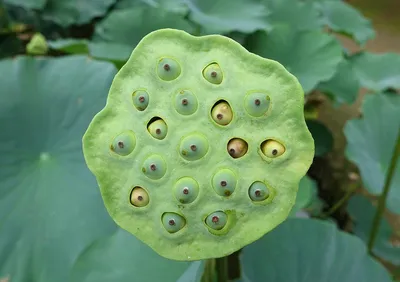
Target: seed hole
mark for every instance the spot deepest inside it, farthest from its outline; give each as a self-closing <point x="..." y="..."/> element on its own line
<point x="222" y="113"/>
<point x="139" y="197"/>
<point x="157" y="128"/>
<point x="272" y="148"/>
<point x="237" y="147"/>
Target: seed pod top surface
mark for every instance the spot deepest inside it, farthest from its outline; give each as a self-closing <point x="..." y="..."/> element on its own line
<point x="167" y="62"/>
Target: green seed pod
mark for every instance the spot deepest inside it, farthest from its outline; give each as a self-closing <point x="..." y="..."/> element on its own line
<point x="272" y="148"/>
<point x="224" y="182"/>
<point x="217" y="220"/>
<point x="238" y="73"/>
<point x="185" y="102"/>
<point x="140" y="99"/>
<point x="173" y="222"/>
<point x="158" y="129"/>
<point x="256" y="104"/>
<point x="168" y="69"/>
<point x="154" y="167"/>
<point x="193" y="147"/>
<point x="213" y="73"/>
<point x="124" y="143"/>
<point x="37" y="45"/>
<point x="258" y="191"/>
<point x="221" y="113"/>
<point x="186" y="190"/>
<point x="139" y="197"/>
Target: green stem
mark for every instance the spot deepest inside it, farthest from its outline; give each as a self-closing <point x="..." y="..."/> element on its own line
<point x="383" y="196"/>
<point x="222" y="269"/>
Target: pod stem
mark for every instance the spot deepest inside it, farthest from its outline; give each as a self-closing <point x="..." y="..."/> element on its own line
<point x="382" y="198"/>
<point x="222" y="269"/>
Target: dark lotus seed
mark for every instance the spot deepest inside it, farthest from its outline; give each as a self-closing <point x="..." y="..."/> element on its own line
<point x="213" y="74"/>
<point x="173" y="222"/>
<point x="158" y="131"/>
<point x="167" y="67"/>
<point x="193" y="147"/>
<point x="139" y="197"/>
<point x="153" y="167"/>
<point x="274" y="152"/>
<point x="121" y="144"/>
<point x="215" y="219"/>
<point x="186" y="190"/>
<point x="219" y="116"/>
<point x="237" y="147"/>
<point x="142" y="99"/>
<point x="257" y="102"/>
<point x="224" y="182"/>
<point x="272" y="148"/>
<point x="124" y="143"/>
<point x="184" y="102"/>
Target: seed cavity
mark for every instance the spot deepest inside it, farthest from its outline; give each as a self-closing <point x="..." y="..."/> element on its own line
<point x="157" y="128"/>
<point x="213" y="73"/>
<point x="173" y="222"/>
<point x="222" y="113"/>
<point x="186" y="190"/>
<point x="185" y="102"/>
<point x="258" y="191"/>
<point x="168" y="69"/>
<point x="217" y="220"/>
<point x="139" y="197"/>
<point x="224" y="182"/>
<point x="237" y="148"/>
<point x="256" y="104"/>
<point x="272" y="148"/>
<point x="193" y="147"/>
<point x="140" y="99"/>
<point x="154" y="167"/>
<point x="124" y="143"/>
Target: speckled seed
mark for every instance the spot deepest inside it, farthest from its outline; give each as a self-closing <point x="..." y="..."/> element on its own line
<point x="186" y="190"/>
<point x="168" y="69"/>
<point x="224" y="182"/>
<point x="256" y="104"/>
<point x="140" y="99"/>
<point x="173" y="222"/>
<point x="154" y="167"/>
<point x="258" y="191"/>
<point x="139" y="197"/>
<point x="237" y="147"/>
<point x="193" y="147"/>
<point x="213" y="73"/>
<point x="158" y="129"/>
<point x="272" y="148"/>
<point x="221" y="113"/>
<point x="217" y="220"/>
<point x="185" y="102"/>
<point x="124" y="143"/>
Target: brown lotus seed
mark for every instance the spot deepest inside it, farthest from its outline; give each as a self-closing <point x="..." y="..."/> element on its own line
<point x="237" y="147"/>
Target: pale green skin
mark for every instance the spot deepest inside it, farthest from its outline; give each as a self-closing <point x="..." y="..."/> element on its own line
<point x="243" y="72"/>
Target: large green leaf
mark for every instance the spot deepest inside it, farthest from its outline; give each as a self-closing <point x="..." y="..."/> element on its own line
<point x="123" y="258"/>
<point x="371" y="141"/>
<point x="312" y="56"/>
<point x="68" y="12"/>
<point x="50" y="205"/>
<point x="363" y="212"/>
<point x="127" y="26"/>
<point x="322" y="137"/>
<point x="377" y="72"/>
<point x="305" y="195"/>
<point x="343" y="18"/>
<point x="221" y="16"/>
<point x="27" y="4"/>
<point x="308" y="250"/>
<point x="176" y="6"/>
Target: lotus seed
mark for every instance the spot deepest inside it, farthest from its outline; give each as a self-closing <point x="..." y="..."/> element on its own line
<point x="158" y="128"/>
<point x="237" y="148"/>
<point x="173" y="222"/>
<point x="217" y="220"/>
<point x="256" y="104"/>
<point x="124" y="143"/>
<point x="186" y="190"/>
<point x="224" y="182"/>
<point x="258" y="191"/>
<point x="193" y="147"/>
<point x="221" y="113"/>
<point x="168" y="69"/>
<point x="139" y="197"/>
<point x="213" y="73"/>
<point x="272" y="148"/>
<point x="140" y="99"/>
<point x="185" y="102"/>
<point x="154" y="167"/>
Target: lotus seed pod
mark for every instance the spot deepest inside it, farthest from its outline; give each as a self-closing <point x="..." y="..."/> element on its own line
<point x="173" y="222"/>
<point x="124" y="143"/>
<point x="140" y="99"/>
<point x="139" y="197"/>
<point x="213" y="73"/>
<point x="224" y="182"/>
<point x="37" y="45"/>
<point x="186" y="190"/>
<point x="179" y="223"/>
<point x="185" y="102"/>
<point x="158" y="129"/>
<point x="222" y="113"/>
<point x="168" y="69"/>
